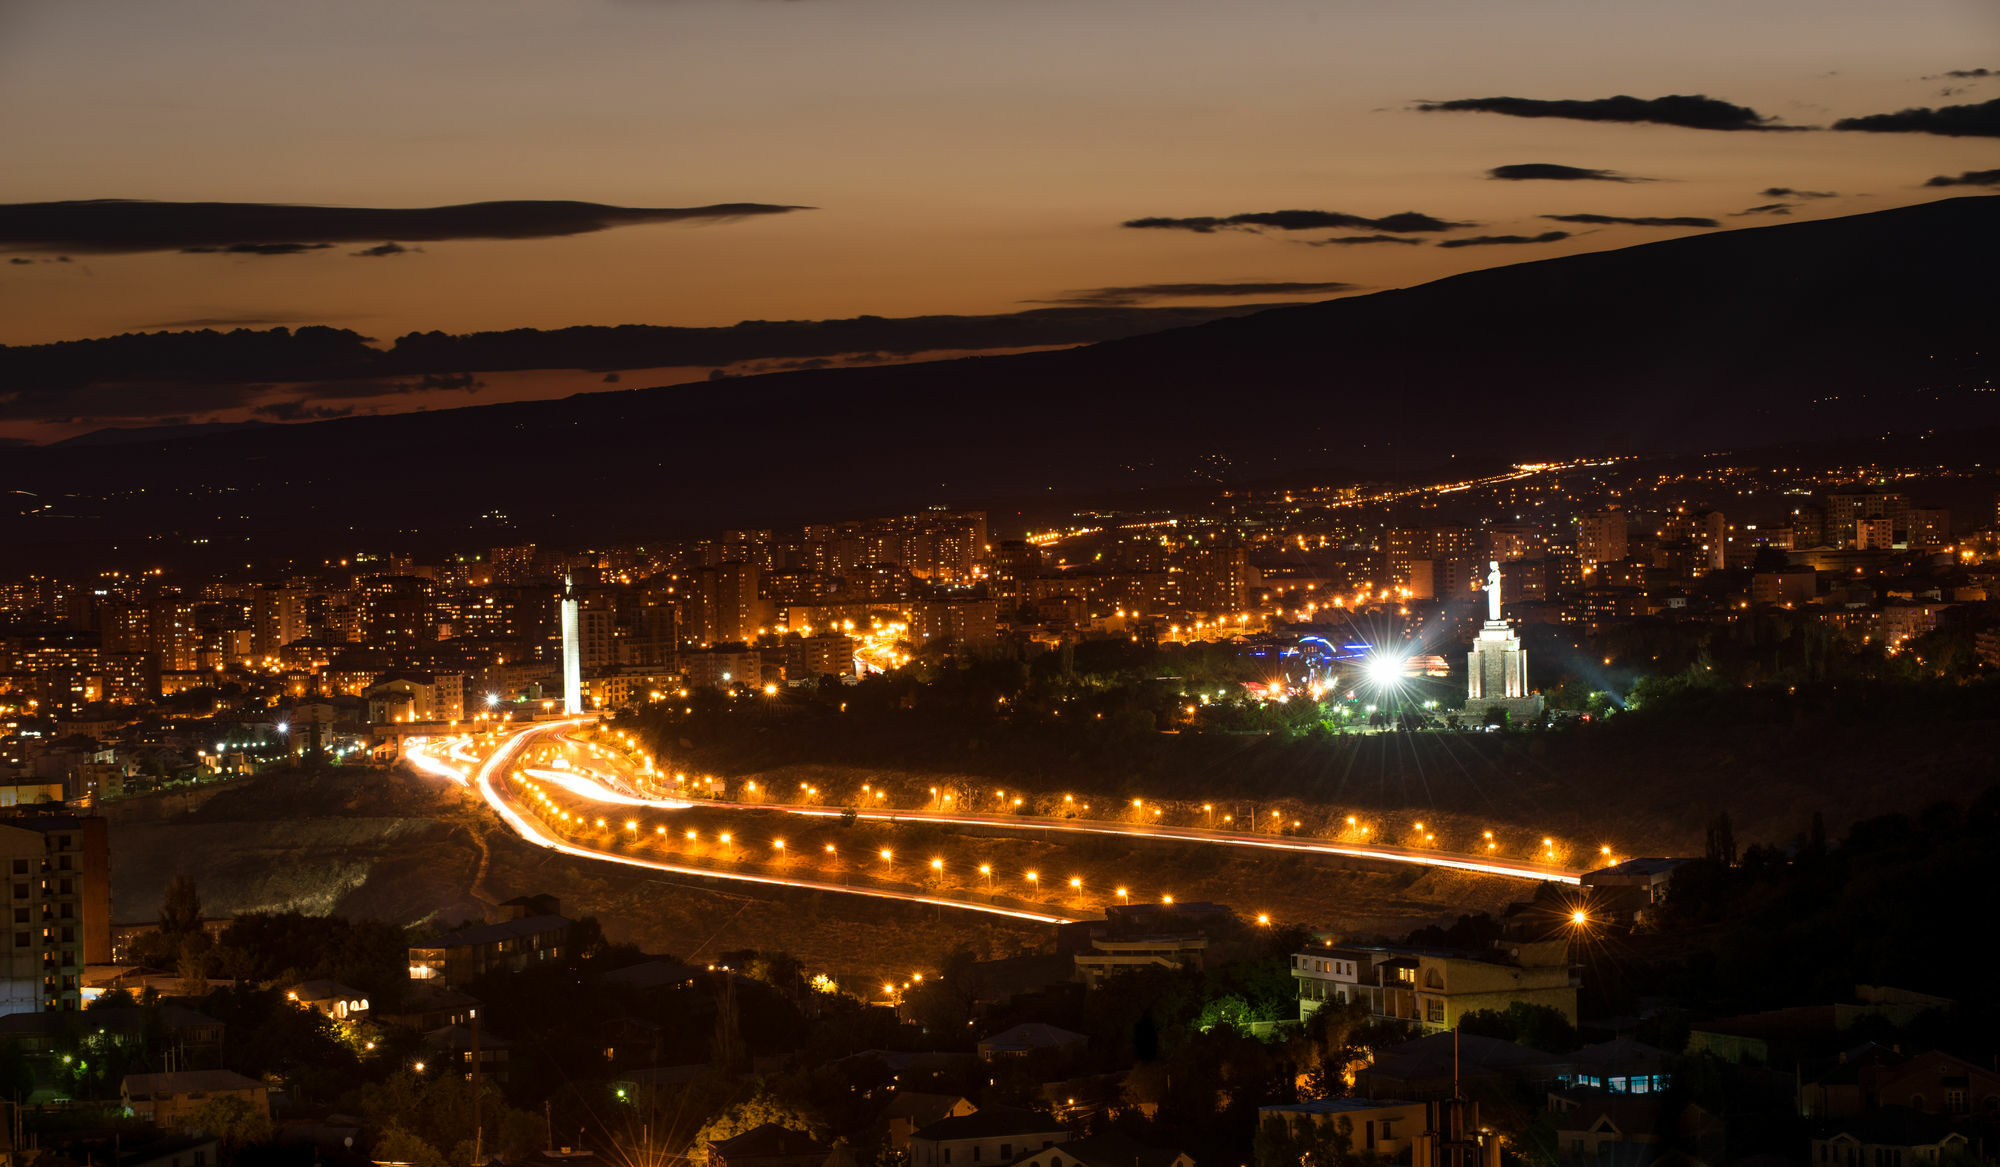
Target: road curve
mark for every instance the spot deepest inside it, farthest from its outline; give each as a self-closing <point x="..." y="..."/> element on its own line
<point x="483" y="781"/>
<point x="1506" y="868"/>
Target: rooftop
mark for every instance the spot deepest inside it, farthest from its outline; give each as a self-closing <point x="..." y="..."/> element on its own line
<point x="769" y="1140"/>
<point x="187" y="1082"/>
<point x="494" y="933"/>
<point x="1032" y="1035"/>
<point x="993" y="1122"/>
<point x="1333" y="1106"/>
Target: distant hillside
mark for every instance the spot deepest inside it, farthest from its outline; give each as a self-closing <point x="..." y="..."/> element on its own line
<point x="1838" y="328"/>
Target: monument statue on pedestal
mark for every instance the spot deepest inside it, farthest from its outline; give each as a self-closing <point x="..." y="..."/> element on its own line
<point x="1497" y="670"/>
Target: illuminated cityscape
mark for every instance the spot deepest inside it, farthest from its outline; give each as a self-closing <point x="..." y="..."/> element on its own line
<point x="920" y="583"/>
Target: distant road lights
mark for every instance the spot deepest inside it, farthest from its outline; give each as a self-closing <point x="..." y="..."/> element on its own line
<point x="692" y="836"/>
<point x="1167" y="900"/>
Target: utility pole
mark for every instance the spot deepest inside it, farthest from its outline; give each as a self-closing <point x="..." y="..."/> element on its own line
<point x="478" y="1127"/>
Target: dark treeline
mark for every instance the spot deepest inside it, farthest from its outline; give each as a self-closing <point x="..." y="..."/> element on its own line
<point x="1113" y="717"/>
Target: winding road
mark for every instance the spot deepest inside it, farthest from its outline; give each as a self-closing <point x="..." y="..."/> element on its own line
<point x="460" y="760"/>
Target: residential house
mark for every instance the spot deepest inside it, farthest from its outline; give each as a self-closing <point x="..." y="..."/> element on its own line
<point x="1936" y="1083"/>
<point x="458" y="959"/>
<point x="1428" y="1067"/>
<point x="995" y="1135"/>
<point x="1028" y="1039"/>
<point x="910" y="1111"/>
<point x="1109" y="1149"/>
<point x="428" y="1005"/>
<point x="1890" y="1137"/>
<point x="1621" y="1066"/>
<point x="1383" y="1127"/>
<point x="121" y="1025"/>
<point x="168" y="1100"/>
<point x="1592" y="1125"/>
<point x="1435" y="988"/>
<point x="335" y="1000"/>
<point x="180" y="1151"/>
<point x="1624" y="890"/>
<point x="450" y="1048"/>
<point x="769" y="1145"/>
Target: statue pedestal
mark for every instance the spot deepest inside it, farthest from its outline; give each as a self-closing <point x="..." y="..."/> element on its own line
<point x="1497" y="675"/>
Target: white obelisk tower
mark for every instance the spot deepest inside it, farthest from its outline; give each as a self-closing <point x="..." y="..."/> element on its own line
<point x="572" y="659"/>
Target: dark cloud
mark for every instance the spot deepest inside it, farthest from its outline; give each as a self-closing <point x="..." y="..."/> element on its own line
<point x="1550" y="170"/>
<point x="303" y="411"/>
<point x="1636" y="221"/>
<point x="1344" y="240"/>
<point x="1786" y="192"/>
<point x="1954" y="121"/>
<point x="18" y="259"/>
<point x="256" y="249"/>
<point x="1766" y="209"/>
<point x="1139" y="293"/>
<point x="382" y="249"/>
<point x="1964" y="74"/>
<point x="1486" y="240"/>
<point x="216" y="365"/>
<point x="610" y="378"/>
<point x="1298" y="221"/>
<point x="1692" y="111"/>
<point x="1968" y="178"/>
<point x="129" y="225"/>
<point x="464" y="382"/>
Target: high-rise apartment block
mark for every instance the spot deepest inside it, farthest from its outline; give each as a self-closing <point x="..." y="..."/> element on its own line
<point x="58" y="881"/>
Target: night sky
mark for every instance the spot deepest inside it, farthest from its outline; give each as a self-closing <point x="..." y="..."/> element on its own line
<point x="957" y="156"/>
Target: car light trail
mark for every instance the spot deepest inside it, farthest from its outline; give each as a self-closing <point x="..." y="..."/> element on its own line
<point x="418" y="758"/>
<point x="533" y="833"/>
<point x="584" y="788"/>
<point x="1012" y="822"/>
<point x="1190" y="835"/>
